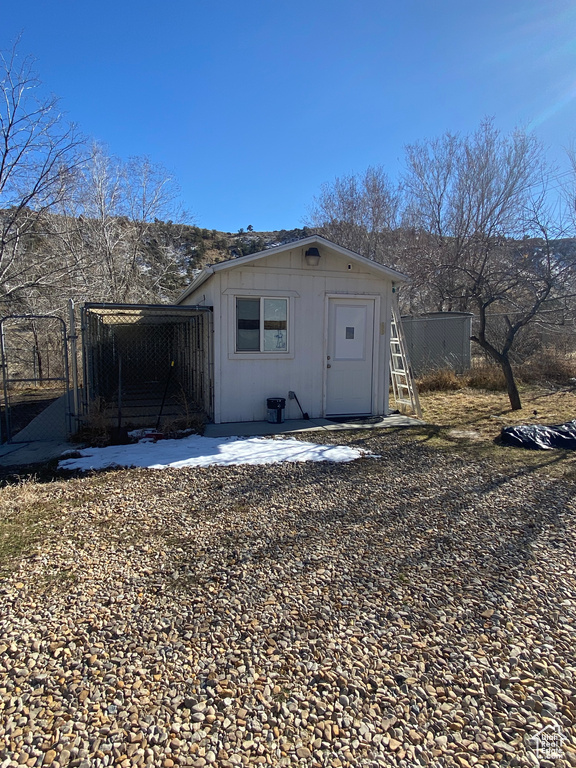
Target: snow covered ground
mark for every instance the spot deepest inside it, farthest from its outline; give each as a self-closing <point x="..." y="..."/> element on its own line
<point x="197" y="451"/>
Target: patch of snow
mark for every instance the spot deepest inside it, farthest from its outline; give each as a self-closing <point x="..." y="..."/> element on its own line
<point x="197" y="451"/>
<point x="467" y="434"/>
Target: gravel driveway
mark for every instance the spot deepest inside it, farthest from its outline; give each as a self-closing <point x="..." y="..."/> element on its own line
<point x="412" y="609"/>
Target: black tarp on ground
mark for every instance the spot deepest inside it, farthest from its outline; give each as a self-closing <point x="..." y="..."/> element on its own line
<point x="541" y="437"/>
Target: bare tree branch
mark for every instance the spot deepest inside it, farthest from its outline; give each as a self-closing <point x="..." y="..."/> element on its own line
<point x="39" y="154"/>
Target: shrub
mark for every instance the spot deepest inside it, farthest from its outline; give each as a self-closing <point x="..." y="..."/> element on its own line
<point x="94" y="427"/>
<point x="443" y="379"/>
<point x="486" y="376"/>
<point x="548" y="366"/>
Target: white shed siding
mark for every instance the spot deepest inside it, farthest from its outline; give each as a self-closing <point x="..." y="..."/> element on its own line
<point x="243" y="381"/>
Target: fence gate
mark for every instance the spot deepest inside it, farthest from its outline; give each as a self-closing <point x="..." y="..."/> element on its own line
<point x="36" y="396"/>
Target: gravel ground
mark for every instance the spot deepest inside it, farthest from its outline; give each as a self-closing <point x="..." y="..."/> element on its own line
<point x="412" y="609"/>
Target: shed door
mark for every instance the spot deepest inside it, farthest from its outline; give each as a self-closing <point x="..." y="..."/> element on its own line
<point x="349" y="357"/>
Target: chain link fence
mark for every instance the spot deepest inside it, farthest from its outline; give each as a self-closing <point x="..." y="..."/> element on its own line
<point x="551" y="334"/>
<point x="146" y="366"/>
<point x="35" y="400"/>
<point x="441" y="340"/>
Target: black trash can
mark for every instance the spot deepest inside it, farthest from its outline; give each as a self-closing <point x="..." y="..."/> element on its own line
<point x="275" y="406"/>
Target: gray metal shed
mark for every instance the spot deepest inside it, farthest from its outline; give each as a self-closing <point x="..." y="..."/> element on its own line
<point x="438" y="340"/>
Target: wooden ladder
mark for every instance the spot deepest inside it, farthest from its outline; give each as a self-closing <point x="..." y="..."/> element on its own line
<point x="403" y="384"/>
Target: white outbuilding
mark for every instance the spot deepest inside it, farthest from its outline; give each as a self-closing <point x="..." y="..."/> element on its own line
<point x="309" y="317"/>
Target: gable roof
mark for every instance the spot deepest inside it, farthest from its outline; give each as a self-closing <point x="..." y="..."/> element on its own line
<point x="303" y="243"/>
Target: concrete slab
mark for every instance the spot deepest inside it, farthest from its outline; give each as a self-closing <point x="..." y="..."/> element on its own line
<point x="257" y="428"/>
<point x="40" y="451"/>
<point x="44" y="439"/>
<point x="36" y="452"/>
<point x="49" y="425"/>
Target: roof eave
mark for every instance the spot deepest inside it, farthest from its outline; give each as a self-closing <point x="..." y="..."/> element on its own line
<point x="392" y="273"/>
<point x="196" y="283"/>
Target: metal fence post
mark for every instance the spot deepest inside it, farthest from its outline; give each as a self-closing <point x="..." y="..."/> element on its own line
<point x="5" y="383"/>
<point x="73" y="337"/>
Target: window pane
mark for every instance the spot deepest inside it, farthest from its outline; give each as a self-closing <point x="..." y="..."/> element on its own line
<point x="248" y="325"/>
<point x="275" y="325"/>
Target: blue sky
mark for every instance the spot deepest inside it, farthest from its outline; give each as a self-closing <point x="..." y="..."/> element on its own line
<point x="254" y="105"/>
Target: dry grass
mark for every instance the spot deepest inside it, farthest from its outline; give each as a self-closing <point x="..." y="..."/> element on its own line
<point x="548" y="367"/>
<point x="464" y="422"/>
<point x="484" y="376"/>
<point x="442" y="380"/>
<point x="466" y="412"/>
<point x="24" y="510"/>
<point x="470" y="421"/>
<point x="33" y="513"/>
<point x="487" y="412"/>
<point x="95" y="427"/>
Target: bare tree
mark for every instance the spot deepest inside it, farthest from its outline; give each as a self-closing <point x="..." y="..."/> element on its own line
<point x="108" y="232"/>
<point x="472" y="204"/>
<point x="39" y="154"/>
<point x="360" y="212"/>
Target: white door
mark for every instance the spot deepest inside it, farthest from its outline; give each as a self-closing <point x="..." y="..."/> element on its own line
<point x="349" y="356"/>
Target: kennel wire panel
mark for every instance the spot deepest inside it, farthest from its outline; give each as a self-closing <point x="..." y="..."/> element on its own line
<point x="147" y="364"/>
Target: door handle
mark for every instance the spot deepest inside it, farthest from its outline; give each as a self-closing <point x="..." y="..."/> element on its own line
<point x="328" y="366"/>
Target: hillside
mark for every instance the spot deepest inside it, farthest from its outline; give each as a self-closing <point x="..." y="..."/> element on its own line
<point x="56" y="258"/>
<point x="210" y="246"/>
<point x="195" y="247"/>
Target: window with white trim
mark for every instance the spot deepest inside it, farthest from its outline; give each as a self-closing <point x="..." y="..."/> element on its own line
<point x="261" y="324"/>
